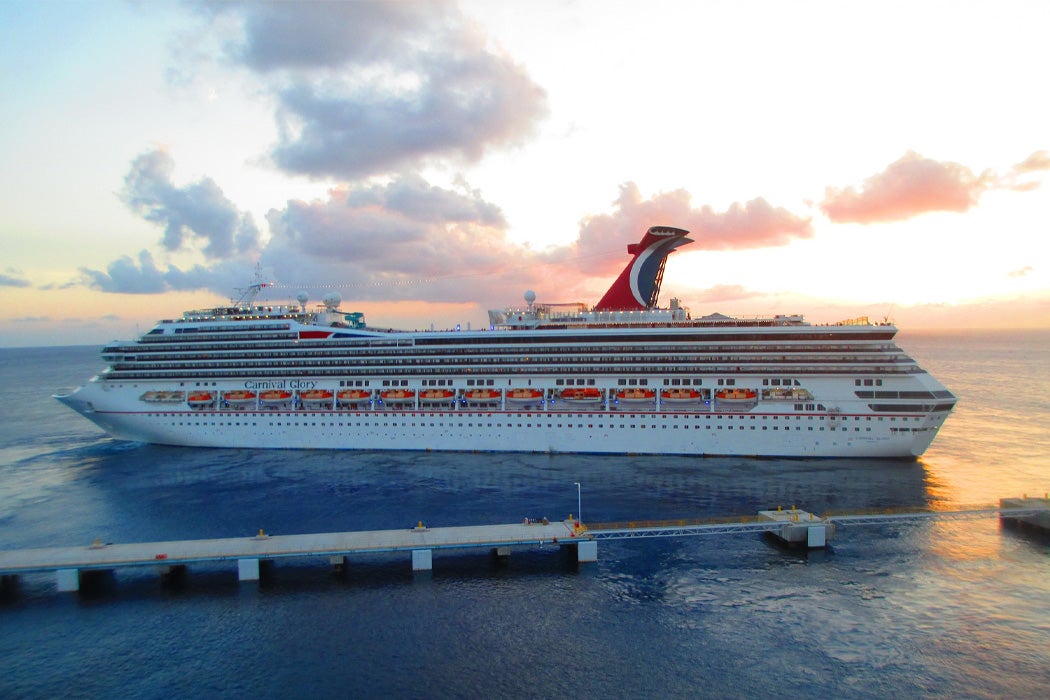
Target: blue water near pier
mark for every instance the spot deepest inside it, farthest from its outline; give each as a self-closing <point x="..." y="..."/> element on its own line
<point x="943" y="608"/>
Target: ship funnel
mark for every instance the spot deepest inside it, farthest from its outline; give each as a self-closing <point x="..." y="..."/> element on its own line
<point x="638" y="286"/>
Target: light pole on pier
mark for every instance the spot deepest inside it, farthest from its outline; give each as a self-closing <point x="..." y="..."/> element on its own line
<point x="579" y="507"/>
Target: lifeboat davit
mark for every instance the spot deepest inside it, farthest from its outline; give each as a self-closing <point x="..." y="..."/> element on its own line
<point x="524" y="395"/>
<point x="201" y="399"/>
<point x="736" y="395"/>
<point x="483" y="395"/>
<point x="635" y="395"/>
<point x="239" y="398"/>
<point x="398" y="396"/>
<point x="581" y="395"/>
<point x="680" y="396"/>
<point x="436" y="395"/>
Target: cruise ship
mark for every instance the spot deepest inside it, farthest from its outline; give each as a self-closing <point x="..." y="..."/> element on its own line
<point x="622" y="376"/>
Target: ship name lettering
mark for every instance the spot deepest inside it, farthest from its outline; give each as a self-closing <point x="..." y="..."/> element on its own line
<point x="265" y="385"/>
<point x="302" y="384"/>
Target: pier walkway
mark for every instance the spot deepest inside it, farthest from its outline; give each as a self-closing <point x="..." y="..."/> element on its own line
<point x="791" y="526"/>
<point x="68" y="562"/>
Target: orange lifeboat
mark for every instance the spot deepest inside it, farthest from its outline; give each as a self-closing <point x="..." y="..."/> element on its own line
<point x="581" y="395"/>
<point x="398" y="396"/>
<point x="316" y="398"/>
<point x="353" y="396"/>
<point x="201" y="399"/>
<point x="736" y="395"/>
<point x="239" y="398"/>
<point x="680" y="396"/>
<point x="635" y="395"/>
<point x="275" y="396"/>
<point x="482" y="395"/>
<point x="524" y="395"/>
<point x="436" y="395"/>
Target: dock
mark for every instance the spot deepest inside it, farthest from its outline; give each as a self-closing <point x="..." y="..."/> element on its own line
<point x="1025" y="512"/>
<point x="68" y="563"/>
<point x="792" y="527"/>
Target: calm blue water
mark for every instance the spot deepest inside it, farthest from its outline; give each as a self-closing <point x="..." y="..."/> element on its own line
<point x="946" y="608"/>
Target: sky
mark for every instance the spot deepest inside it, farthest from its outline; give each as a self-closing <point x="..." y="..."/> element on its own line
<point x="432" y="160"/>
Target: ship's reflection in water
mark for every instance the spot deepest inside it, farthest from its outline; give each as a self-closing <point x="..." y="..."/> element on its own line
<point x="330" y="490"/>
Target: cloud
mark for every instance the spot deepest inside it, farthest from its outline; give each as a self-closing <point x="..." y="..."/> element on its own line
<point x="329" y="35"/>
<point x="408" y="238"/>
<point x="142" y="276"/>
<point x="196" y="213"/>
<point x="1040" y="160"/>
<point x="381" y="238"/>
<point x="754" y="224"/>
<point x="13" y="280"/>
<point x="368" y="88"/>
<point x="911" y="186"/>
<point x="1022" y="271"/>
<point x="1019" y="179"/>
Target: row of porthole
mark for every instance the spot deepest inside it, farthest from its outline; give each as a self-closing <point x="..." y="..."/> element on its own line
<point x="519" y="425"/>
<point x="664" y="416"/>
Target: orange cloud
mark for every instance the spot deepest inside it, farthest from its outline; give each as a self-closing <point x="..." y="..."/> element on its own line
<point x="1040" y="160"/>
<point x="754" y="224"/>
<point x="911" y="186"/>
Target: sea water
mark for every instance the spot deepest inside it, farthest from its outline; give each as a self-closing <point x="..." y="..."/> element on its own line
<point x="947" y="608"/>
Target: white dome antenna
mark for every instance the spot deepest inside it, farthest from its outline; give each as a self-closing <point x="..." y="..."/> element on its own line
<point x="332" y="300"/>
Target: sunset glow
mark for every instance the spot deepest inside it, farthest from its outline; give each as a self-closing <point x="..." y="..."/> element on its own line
<point x="432" y="160"/>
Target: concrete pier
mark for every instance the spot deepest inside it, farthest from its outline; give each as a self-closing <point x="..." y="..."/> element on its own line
<point x="76" y="567"/>
<point x="422" y="560"/>
<point x="67" y="579"/>
<point x="247" y="569"/>
<point x="798" y="528"/>
<point x="1026" y="512"/>
<point x="586" y="551"/>
<point x="71" y="564"/>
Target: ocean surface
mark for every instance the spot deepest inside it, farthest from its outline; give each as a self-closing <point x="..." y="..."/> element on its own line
<point x="941" y="608"/>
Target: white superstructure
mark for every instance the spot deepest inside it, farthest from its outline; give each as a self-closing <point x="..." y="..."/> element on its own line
<point x="546" y="378"/>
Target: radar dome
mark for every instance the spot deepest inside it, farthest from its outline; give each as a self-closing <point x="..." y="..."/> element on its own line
<point x="530" y="296"/>
<point x="302" y="297"/>
<point x="332" y="300"/>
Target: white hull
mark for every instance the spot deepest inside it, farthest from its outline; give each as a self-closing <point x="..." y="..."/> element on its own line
<point x="626" y="430"/>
